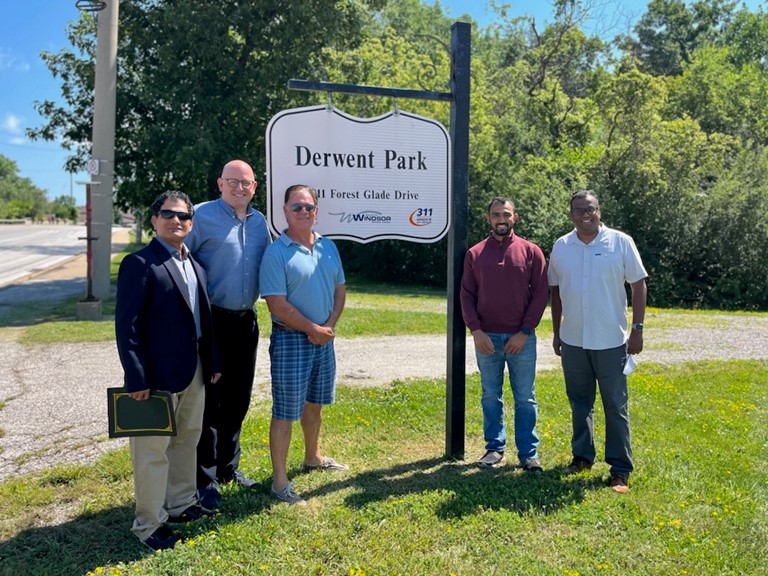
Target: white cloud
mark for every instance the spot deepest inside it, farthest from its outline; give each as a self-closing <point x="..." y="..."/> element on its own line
<point x="11" y="123"/>
<point x="18" y="141"/>
<point x="8" y="61"/>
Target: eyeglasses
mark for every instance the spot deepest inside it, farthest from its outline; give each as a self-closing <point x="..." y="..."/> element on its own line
<point x="233" y="182"/>
<point x="581" y="211"/>
<point x="299" y="207"/>
<point x="168" y="214"/>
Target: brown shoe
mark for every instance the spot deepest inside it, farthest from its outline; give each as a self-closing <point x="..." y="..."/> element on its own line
<point x="578" y="465"/>
<point x="619" y="483"/>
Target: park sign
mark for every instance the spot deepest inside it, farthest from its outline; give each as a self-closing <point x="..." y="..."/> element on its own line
<point x="378" y="178"/>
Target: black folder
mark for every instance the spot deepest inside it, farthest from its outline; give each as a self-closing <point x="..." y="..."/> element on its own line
<point x="151" y="417"/>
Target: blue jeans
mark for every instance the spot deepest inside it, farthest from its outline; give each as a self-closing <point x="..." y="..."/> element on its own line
<point x="522" y="378"/>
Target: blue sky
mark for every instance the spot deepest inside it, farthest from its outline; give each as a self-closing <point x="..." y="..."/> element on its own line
<point x="28" y="27"/>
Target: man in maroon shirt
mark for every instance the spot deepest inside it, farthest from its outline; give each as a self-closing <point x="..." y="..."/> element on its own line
<point x="503" y="296"/>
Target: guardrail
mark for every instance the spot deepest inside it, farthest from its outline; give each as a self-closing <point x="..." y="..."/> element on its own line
<point x="12" y="221"/>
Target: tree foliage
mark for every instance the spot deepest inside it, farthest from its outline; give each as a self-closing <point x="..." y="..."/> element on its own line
<point x="671" y="30"/>
<point x="669" y="125"/>
<point x="19" y="197"/>
<point x="197" y="84"/>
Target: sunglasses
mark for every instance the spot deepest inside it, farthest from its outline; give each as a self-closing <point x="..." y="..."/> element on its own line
<point x="168" y="214"/>
<point x="299" y="207"/>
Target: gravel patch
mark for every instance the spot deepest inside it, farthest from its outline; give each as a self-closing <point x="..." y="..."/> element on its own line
<point x="54" y="397"/>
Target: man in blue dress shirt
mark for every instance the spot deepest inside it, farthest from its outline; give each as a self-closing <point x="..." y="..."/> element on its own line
<point x="229" y="239"/>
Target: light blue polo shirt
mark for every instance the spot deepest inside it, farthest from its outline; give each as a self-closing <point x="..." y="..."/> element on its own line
<point x="308" y="279"/>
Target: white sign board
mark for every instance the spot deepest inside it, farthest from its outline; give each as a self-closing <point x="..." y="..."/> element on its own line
<point x="93" y="166"/>
<point x="377" y="178"/>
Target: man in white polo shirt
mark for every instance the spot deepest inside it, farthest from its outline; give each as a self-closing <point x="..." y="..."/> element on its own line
<point x="588" y="268"/>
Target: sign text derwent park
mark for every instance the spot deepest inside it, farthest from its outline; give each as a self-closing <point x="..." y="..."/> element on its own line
<point x="383" y="177"/>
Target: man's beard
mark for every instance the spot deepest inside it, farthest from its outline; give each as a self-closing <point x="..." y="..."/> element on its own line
<point x="501" y="229"/>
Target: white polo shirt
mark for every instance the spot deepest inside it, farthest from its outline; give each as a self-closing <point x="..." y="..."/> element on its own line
<point x="591" y="280"/>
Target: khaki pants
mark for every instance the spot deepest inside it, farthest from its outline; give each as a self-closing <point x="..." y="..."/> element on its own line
<point x="164" y="467"/>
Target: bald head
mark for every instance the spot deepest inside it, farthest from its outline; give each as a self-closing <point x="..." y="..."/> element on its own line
<point x="236" y="166"/>
<point x="237" y="185"/>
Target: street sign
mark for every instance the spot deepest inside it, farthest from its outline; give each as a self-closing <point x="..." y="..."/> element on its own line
<point x="378" y="178"/>
<point x="93" y="167"/>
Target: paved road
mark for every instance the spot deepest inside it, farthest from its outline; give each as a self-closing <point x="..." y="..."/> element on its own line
<point x="29" y="249"/>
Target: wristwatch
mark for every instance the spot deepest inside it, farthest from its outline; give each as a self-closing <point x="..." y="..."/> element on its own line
<point x="525" y="330"/>
<point x="637" y="326"/>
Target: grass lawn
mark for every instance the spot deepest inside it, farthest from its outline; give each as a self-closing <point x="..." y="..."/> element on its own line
<point x="698" y="503"/>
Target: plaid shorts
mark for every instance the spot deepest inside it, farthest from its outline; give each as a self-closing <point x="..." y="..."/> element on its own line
<point x="301" y="372"/>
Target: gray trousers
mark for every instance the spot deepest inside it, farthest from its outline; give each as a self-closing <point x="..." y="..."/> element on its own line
<point x="583" y="369"/>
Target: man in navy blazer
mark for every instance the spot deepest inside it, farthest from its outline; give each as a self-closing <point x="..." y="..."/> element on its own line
<point x="164" y="340"/>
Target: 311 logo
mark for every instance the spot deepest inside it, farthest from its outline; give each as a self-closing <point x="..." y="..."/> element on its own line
<point x="421" y="217"/>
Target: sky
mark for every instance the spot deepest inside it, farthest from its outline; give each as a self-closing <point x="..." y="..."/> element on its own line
<point x="29" y="27"/>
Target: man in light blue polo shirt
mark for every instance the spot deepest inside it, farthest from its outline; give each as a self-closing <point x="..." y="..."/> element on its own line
<point x="302" y="280"/>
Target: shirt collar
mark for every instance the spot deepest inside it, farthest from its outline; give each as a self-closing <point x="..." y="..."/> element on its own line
<point x="573" y="237"/>
<point x="231" y="211"/>
<point x="183" y="255"/>
<point x="285" y="239"/>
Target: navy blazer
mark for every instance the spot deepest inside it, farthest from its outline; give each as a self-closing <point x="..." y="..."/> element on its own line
<point x="155" y="325"/>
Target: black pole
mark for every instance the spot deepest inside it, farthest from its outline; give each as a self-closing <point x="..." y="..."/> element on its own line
<point x="461" y="41"/>
<point x="89" y="297"/>
<point x="457" y="240"/>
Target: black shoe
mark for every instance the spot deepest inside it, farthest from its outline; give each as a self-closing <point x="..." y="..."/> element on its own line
<point x="491" y="459"/>
<point x="578" y="465"/>
<point x="531" y="465"/>
<point x="194" y="512"/>
<point x="619" y="483"/>
<point x="209" y="497"/>
<point x="162" y="538"/>
<point x="241" y="480"/>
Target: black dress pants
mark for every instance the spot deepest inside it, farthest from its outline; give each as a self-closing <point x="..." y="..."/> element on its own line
<point x="226" y="403"/>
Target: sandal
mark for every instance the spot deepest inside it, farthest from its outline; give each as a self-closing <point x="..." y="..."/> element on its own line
<point x="326" y="464"/>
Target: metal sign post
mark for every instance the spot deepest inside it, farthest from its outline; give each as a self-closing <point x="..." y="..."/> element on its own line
<point x="457" y="232"/>
<point x="89" y="308"/>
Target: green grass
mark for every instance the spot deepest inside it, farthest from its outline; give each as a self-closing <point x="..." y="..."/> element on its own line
<point x="698" y="503"/>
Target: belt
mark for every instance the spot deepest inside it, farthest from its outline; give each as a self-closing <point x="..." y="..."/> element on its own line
<point x="283" y="327"/>
<point x="227" y="312"/>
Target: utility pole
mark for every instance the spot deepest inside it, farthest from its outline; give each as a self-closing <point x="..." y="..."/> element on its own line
<point x="104" y="106"/>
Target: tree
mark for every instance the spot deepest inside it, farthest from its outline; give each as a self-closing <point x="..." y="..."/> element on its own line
<point x="197" y="83"/>
<point x="63" y="208"/>
<point x="747" y="39"/>
<point x="722" y="96"/>
<point x="670" y="31"/>
<point x="19" y="197"/>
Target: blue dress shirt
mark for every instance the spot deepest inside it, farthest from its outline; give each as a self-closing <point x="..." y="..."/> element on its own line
<point x="230" y="251"/>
